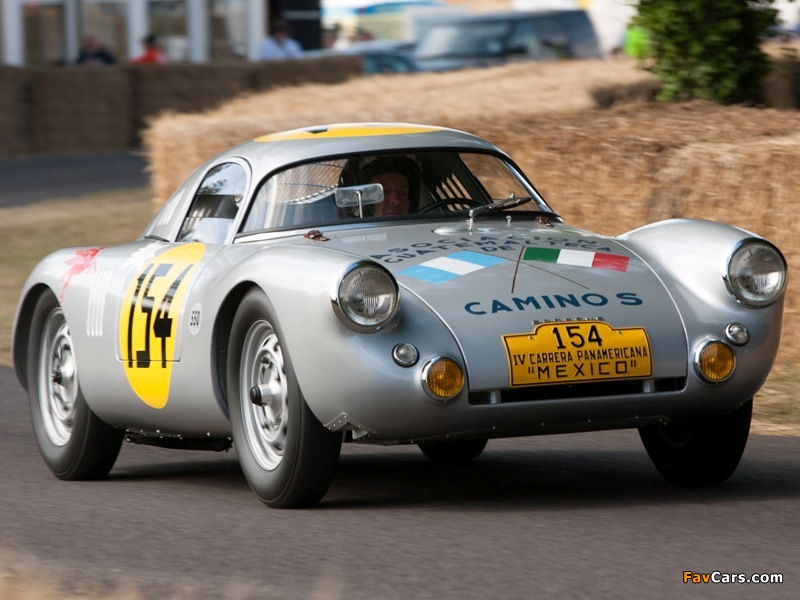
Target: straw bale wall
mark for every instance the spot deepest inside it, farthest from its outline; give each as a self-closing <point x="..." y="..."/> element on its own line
<point x="77" y="108"/>
<point x="606" y="169"/>
<point x="87" y="109"/>
<point x="14" y="124"/>
<point x="185" y="88"/>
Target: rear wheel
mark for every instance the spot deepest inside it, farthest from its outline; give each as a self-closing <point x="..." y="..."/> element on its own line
<point x="72" y="440"/>
<point x="286" y="454"/>
<point x="701" y="451"/>
<point x="453" y="452"/>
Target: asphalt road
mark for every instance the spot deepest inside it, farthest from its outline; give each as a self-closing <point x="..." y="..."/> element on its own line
<point x="569" y="516"/>
<point x="34" y="178"/>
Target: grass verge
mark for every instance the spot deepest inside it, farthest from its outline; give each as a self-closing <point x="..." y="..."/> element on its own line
<point x="28" y="233"/>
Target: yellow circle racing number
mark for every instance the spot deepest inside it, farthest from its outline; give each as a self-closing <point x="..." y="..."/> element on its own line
<point x="150" y="313"/>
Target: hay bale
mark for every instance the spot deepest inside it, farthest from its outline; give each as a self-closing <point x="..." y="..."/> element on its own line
<point x="79" y="108"/>
<point x="14" y="121"/>
<point x="324" y="70"/>
<point x="509" y="94"/>
<point x="160" y="89"/>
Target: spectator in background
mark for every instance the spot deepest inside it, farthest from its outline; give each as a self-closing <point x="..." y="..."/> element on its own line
<point x="279" y="46"/>
<point x="152" y="53"/>
<point x="92" y="52"/>
<point x="330" y="35"/>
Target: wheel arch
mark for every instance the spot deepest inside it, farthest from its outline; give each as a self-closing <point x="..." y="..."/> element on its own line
<point x="21" y="339"/>
<point x="221" y="339"/>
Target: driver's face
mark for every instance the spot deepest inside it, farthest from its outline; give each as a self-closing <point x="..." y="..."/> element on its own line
<point x="395" y="194"/>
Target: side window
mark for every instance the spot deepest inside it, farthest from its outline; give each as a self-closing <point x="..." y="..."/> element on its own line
<point x="523" y="41"/>
<point x="543" y="38"/>
<point x="215" y="205"/>
<point x="582" y="36"/>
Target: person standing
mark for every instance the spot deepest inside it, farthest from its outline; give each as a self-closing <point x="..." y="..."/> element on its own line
<point x="280" y="46"/>
<point x="92" y="52"/>
<point x="152" y="53"/>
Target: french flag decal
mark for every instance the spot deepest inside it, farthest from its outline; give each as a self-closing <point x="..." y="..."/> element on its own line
<point x="578" y="258"/>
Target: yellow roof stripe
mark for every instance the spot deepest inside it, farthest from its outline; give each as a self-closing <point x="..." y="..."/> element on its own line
<point x="340" y="131"/>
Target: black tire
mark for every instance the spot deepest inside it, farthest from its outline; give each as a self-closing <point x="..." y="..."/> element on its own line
<point x="72" y="440"/>
<point x="702" y="451"/>
<point x="454" y="452"/>
<point x="287" y="456"/>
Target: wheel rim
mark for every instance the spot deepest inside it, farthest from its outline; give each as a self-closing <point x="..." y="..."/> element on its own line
<point x="265" y="425"/>
<point x="58" y="379"/>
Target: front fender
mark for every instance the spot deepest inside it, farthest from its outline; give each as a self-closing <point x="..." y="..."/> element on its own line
<point x="693" y="273"/>
<point x="341" y="371"/>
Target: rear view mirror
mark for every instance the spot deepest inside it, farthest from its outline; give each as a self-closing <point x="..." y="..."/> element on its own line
<point x="359" y="195"/>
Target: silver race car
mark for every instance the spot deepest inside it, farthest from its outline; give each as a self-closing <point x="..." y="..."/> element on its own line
<point x="392" y="284"/>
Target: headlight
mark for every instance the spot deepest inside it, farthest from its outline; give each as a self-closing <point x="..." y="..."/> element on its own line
<point x="756" y="273"/>
<point x="442" y="379"/>
<point x="715" y="361"/>
<point x="366" y="297"/>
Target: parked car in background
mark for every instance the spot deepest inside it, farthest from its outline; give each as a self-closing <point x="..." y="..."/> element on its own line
<point x="378" y="56"/>
<point x="495" y="38"/>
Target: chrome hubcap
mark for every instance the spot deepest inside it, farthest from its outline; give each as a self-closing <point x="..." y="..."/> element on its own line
<point x="266" y="423"/>
<point x="58" y="379"/>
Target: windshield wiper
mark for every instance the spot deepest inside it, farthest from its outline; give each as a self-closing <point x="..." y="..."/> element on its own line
<point x="509" y="202"/>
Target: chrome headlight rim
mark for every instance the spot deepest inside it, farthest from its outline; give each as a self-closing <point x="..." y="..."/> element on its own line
<point x="344" y="315"/>
<point x="735" y="292"/>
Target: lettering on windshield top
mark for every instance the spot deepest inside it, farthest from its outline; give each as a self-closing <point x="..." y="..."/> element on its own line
<point x="485" y="243"/>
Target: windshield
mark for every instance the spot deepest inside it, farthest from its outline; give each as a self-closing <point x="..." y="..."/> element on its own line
<point x="460" y="40"/>
<point x="386" y="186"/>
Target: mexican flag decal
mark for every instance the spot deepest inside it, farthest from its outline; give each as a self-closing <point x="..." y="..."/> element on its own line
<point x="577" y="258"/>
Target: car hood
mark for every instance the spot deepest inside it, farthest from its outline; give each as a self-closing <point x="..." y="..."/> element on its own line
<point x="495" y="281"/>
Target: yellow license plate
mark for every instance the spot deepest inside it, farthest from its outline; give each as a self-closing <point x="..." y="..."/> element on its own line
<point x="577" y="351"/>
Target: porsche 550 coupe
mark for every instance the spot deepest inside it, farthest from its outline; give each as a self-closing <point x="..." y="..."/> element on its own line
<point x="390" y="283"/>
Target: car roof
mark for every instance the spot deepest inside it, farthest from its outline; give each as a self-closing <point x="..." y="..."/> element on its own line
<point x="507" y="15"/>
<point x="272" y="151"/>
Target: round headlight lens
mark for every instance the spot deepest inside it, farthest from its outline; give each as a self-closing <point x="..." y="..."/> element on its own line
<point x="756" y="273"/>
<point x="366" y="297"/>
<point x="715" y="361"/>
<point x="442" y="379"/>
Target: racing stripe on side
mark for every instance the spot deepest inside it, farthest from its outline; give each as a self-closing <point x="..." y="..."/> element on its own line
<point x="445" y="268"/>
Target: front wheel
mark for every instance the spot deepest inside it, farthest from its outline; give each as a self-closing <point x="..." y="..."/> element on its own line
<point x="286" y="454"/>
<point x="700" y="451"/>
<point x="72" y="440"/>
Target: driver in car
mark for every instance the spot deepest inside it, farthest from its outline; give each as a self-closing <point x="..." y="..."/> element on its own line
<point x="398" y="175"/>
